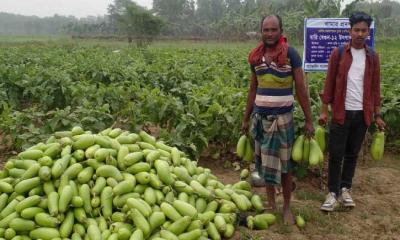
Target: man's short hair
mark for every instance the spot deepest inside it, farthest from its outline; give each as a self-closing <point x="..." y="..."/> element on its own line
<point x="272" y="15"/>
<point x="357" y="17"/>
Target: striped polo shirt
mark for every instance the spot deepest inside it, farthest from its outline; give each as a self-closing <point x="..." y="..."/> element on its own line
<point x="275" y="85"/>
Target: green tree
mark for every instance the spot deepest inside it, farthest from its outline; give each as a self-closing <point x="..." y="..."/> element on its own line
<point x="173" y="10"/>
<point x="322" y="8"/>
<point x="15" y="24"/>
<point x="233" y="5"/>
<point x="351" y="7"/>
<point x="178" y="13"/>
<point x="135" y="21"/>
<point x="386" y="14"/>
<point x="311" y="8"/>
<point x="210" y="11"/>
<point x="249" y="7"/>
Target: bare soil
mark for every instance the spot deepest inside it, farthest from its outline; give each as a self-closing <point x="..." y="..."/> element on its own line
<point x="375" y="217"/>
<point x="5" y="146"/>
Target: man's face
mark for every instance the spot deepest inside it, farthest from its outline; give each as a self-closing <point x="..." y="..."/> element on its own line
<point x="270" y="31"/>
<point x="359" y="32"/>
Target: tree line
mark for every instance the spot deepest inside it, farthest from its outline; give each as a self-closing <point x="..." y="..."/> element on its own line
<point x="210" y="19"/>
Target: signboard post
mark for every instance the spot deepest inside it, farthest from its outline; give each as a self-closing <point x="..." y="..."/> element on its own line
<point x="321" y="35"/>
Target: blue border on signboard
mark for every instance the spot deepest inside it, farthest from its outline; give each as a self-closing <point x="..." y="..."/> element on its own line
<point x="328" y="33"/>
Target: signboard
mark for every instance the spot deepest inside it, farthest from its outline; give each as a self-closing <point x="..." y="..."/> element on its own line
<point x="321" y="35"/>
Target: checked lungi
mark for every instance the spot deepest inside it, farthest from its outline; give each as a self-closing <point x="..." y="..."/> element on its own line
<point x="273" y="140"/>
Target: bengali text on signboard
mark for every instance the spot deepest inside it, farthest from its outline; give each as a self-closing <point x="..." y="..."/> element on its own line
<point x="321" y="36"/>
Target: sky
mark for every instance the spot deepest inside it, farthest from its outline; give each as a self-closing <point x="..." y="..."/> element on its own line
<point x="78" y="8"/>
<point x="45" y="8"/>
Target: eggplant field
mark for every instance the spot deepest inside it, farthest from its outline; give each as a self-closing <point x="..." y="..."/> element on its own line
<point x="193" y="94"/>
<point x="105" y="140"/>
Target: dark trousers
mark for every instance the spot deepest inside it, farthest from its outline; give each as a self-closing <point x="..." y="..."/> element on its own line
<point x="344" y="145"/>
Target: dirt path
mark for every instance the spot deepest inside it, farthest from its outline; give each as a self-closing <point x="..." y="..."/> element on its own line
<point x="376" y="216"/>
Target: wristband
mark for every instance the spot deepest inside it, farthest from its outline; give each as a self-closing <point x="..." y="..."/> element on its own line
<point x="377" y="115"/>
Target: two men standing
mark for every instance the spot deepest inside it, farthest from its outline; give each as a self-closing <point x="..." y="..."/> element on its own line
<point x="351" y="89"/>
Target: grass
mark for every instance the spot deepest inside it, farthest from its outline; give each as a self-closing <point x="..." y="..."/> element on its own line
<point x="369" y="179"/>
<point x="32" y="38"/>
<point x="364" y="215"/>
<point x="63" y="39"/>
<point x="316" y="221"/>
<point x="325" y="222"/>
<point x="284" y="229"/>
<point x="307" y="195"/>
<point x="396" y="226"/>
<point x="383" y="46"/>
<point x="246" y="234"/>
<point x="389" y="161"/>
<point x="311" y="214"/>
